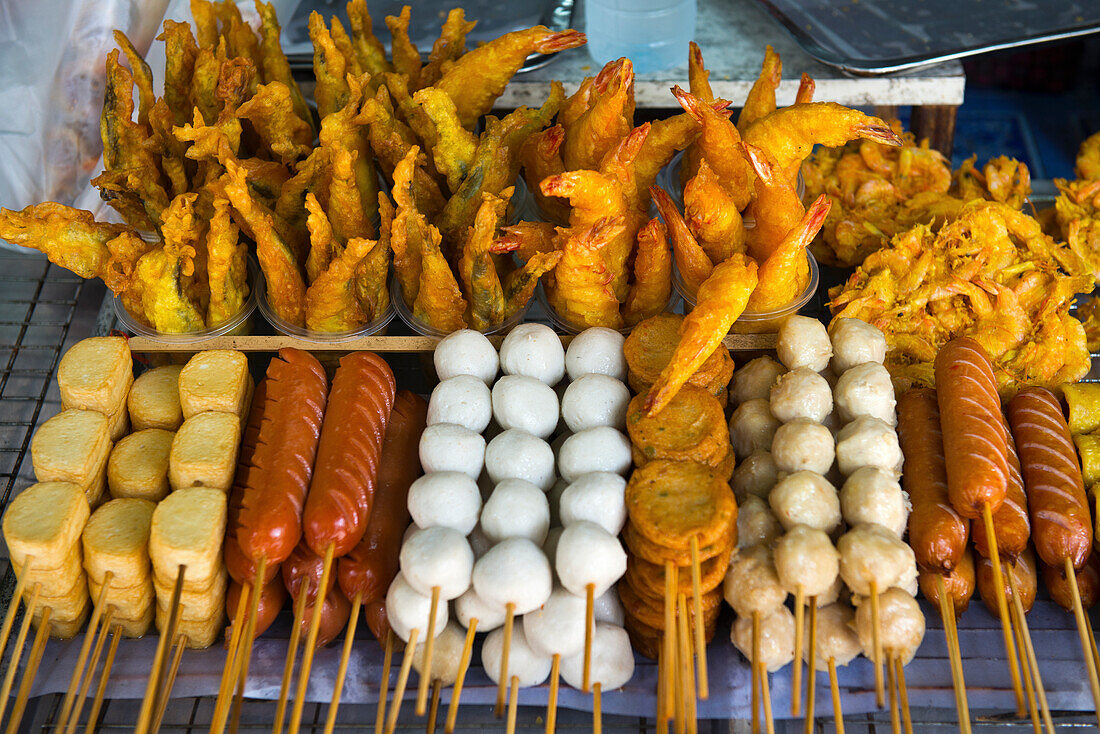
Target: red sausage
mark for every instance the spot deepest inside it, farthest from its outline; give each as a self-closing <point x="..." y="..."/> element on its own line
<point x="372" y="564"/>
<point x="1024" y="574"/>
<point x="973" y="442"/>
<point x="375" y="613"/>
<point x="338" y="505"/>
<point x="271" y="508"/>
<point x="272" y="598"/>
<point x="304" y="568"/>
<point x="1055" y="489"/>
<point x="1088" y="583"/>
<point x="959" y="584"/>
<point x="1010" y="519"/>
<point x="334" y="616"/>
<point x="937" y="533"/>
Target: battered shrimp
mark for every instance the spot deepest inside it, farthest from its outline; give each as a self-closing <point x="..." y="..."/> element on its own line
<point x="665" y="138"/>
<point x="520" y="284"/>
<point x="789" y="134"/>
<point x="718" y="141"/>
<point x="692" y="261"/>
<point x="475" y="80"/>
<point x="455" y="146"/>
<point x="608" y="119"/>
<point x="699" y="85"/>
<point x="722" y="298"/>
<point x="712" y="215"/>
<point x="776" y="209"/>
<point x="761" y="99"/>
<point x="580" y="290"/>
<point x="439" y="301"/>
<point x="540" y="158"/>
<point x="476" y="268"/>
<point x="652" y="274"/>
<point x="449" y="47"/>
<point x="526" y="239"/>
<point x="806" y="88"/>
<point x="785" y="274"/>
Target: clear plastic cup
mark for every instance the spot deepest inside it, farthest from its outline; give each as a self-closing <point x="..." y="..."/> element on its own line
<point x="668" y="178"/>
<point x="377" y="326"/>
<point x="652" y="33"/>
<point x="405" y="313"/>
<point x="759" y="322"/>
<point x="561" y="324"/>
<point x="239" y="325"/>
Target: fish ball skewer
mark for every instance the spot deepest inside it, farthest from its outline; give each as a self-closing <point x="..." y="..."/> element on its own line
<point x="448" y="499"/>
<point x="517" y="454"/>
<point x="805" y="498"/>
<point x="801" y="393"/>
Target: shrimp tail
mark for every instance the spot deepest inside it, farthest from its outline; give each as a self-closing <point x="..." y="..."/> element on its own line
<point x="878" y="133"/>
<point x="561" y="41"/>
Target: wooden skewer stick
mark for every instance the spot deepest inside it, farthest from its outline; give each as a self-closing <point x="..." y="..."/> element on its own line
<point x="687" y="675"/>
<point x="30" y="672"/>
<point x="680" y="713"/>
<point x="891" y="685"/>
<point x="766" y="695"/>
<point x="245" y="653"/>
<point x="342" y="670"/>
<point x="104" y="676"/>
<point x="947" y="614"/>
<point x="429" y="648"/>
<point x="597" y="709"/>
<point x="311" y="641"/>
<point x="700" y="636"/>
<point x="384" y="684"/>
<point x="13" y="609"/>
<point x="1029" y="654"/>
<point x="506" y="649"/>
<point x="402" y="681"/>
<point x="811" y="668"/>
<point x="1082" y="630"/>
<point x="1029" y="685"/>
<point x="17" y="651"/>
<point x="1092" y="646"/>
<point x="463" y="666"/>
<point x="1002" y="609"/>
<point x="513" y="704"/>
<point x="433" y="709"/>
<point x="662" y="713"/>
<point x="85" y="649"/>
<point x="876" y="644"/>
<point x="796" y="671"/>
<point x="152" y="688"/>
<point x="291" y="654"/>
<point x="903" y="696"/>
<point x="552" y="700"/>
<point x="589" y="625"/>
<point x="225" y="685"/>
<point x="169" y="681"/>
<point x="669" y="640"/>
<point x="834" y="688"/>
<point x="755" y="672"/>
<point x="86" y="681"/>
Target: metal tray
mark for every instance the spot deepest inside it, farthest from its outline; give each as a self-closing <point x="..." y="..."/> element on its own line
<point x="872" y="37"/>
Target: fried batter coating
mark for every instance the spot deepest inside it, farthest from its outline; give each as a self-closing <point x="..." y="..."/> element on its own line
<point x="329" y="67"/>
<point x="1001" y="179"/>
<point x="184" y="231"/>
<point x="204" y="81"/>
<point x="580" y="289"/>
<point x="274" y="118"/>
<point x="180" y="52"/>
<point x="172" y="151"/>
<point x="476" y="269"/>
<point x="608" y="119"/>
<point x="226" y="266"/>
<point x="652" y="286"/>
<point x="331" y="302"/>
<point x="520" y="284"/>
<point x="450" y="46"/>
<point x="761" y="99"/>
<point x="70" y="238"/>
<point x="478" y="77"/>
<point x="786" y="272"/>
<point x="343" y="43"/>
<point x="1077" y="213"/>
<point x="540" y="159"/>
<point x="665" y="138"/>
<point x="143" y="76"/>
<point x="373" y="271"/>
<point x="712" y="216"/>
<point x="343" y="129"/>
<point x="455" y="146"/>
<point x="651" y="346"/>
<point x="371" y="52"/>
<point x="718" y="143"/>
<point x="439" y="301"/>
<point x="722" y="298"/>
<point x="273" y="62"/>
<point x="990" y="274"/>
<point x="406" y="57"/>
<point x="323" y="246"/>
<point x="1087" y="165"/>
<point x="692" y="261"/>
<point x="776" y="208"/>
<point x="285" y="286"/>
<point x="345" y="203"/>
<point x="290" y="206"/>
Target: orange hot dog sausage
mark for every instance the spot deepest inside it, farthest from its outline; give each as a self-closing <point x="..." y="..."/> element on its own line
<point x="1024" y="574"/>
<point x="959" y="584"/>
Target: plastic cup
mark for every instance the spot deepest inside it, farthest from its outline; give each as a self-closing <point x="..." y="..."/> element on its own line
<point x="423" y="328"/>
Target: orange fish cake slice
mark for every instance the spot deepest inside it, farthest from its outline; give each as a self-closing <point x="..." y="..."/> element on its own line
<point x="671" y="502"/>
<point x="692" y="427"/>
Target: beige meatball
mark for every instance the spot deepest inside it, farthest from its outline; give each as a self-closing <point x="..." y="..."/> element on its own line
<point x="752" y="427"/>
<point x="855" y="342"/>
<point x="754" y="381"/>
<point x="867" y="441"/>
<point x="756" y="525"/>
<point x="866" y="389"/>
<point x="836" y="637"/>
<point x="755" y="475"/>
<point x="751" y="583"/>
<point x="805" y="498"/>
<point x="901" y="624"/>
<point x="831" y="595"/>
<point x="446" y="653"/>
<point x="803" y="445"/>
<point x="870" y="552"/>
<point x="804" y="342"/>
<point x="805" y="557"/>
<point x="776" y="638"/>
<point x="801" y="393"/>
<point x="873" y="495"/>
